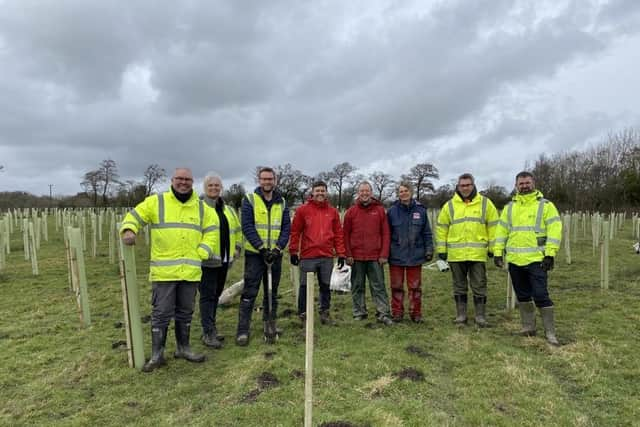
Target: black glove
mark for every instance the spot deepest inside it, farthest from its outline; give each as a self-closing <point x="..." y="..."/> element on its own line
<point x="547" y="263"/>
<point x="428" y="256"/>
<point x="267" y="256"/>
<point x="295" y="260"/>
<point x="442" y="256"/>
<point x="498" y="261"/>
<point x="490" y="254"/>
<point x="275" y="253"/>
<point x="341" y="260"/>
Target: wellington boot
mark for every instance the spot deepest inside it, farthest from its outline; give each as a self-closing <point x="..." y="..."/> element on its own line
<point x="158" y="340"/>
<point x="325" y="318"/>
<point x="528" y="319"/>
<point x="549" y="325"/>
<point x="480" y="304"/>
<point x="461" y="309"/>
<point x="183" y="350"/>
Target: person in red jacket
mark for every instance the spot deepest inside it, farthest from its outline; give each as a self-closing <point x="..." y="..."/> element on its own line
<point x="366" y="240"/>
<point x="316" y="237"/>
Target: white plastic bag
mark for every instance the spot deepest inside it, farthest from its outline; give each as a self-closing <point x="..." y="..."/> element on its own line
<point x="229" y="294"/>
<point x="341" y="279"/>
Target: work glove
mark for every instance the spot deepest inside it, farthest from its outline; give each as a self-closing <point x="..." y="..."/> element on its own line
<point x="341" y="262"/>
<point x="266" y="255"/>
<point x="295" y="260"/>
<point x="442" y="256"/>
<point x="275" y="253"/>
<point x="490" y="254"/>
<point x="547" y="263"/>
<point x="498" y="261"/>
<point x="428" y="256"/>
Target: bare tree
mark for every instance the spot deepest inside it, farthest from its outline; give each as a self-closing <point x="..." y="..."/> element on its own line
<point x="292" y="183"/>
<point x="92" y="185"/>
<point x="109" y="175"/>
<point x="419" y="176"/>
<point x="233" y="196"/>
<point x="382" y="185"/>
<point x="338" y="178"/>
<point x="153" y="174"/>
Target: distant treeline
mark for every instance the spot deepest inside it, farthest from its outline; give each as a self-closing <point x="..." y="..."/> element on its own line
<point x="603" y="178"/>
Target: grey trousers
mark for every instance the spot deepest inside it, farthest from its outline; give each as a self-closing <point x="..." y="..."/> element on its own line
<point x="360" y="271"/>
<point x="172" y="299"/>
<point x="465" y="273"/>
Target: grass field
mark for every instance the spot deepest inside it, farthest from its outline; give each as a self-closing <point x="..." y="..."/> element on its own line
<point x="54" y="372"/>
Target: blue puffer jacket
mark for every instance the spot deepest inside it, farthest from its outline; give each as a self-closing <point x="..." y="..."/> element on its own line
<point x="411" y="236"/>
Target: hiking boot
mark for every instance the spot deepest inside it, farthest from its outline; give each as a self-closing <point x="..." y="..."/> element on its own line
<point x="158" y="340"/>
<point x="480" y="304"/>
<point x="461" y="309"/>
<point x="386" y="320"/>
<point x="325" y="318"/>
<point x="549" y="325"/>
<point x="210" y="339"/>
<point x="183" y="350"/>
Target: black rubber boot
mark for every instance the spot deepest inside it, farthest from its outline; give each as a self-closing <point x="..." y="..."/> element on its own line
<point x="325" y="318"/>
<point x="528" y="319"/>
<point x="244" y="322"/>
<point x="158" y="341"/>
<point x="461" y="309"/>
<point x="480" y="304"/>
<point x="183" y="350"/>
<point x="549" y="325"/>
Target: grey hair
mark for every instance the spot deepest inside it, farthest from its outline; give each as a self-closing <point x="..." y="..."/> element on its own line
<point x="367" y="183"/>
<point x="210" y="176"/>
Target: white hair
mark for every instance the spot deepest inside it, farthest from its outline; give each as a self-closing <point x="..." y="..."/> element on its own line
<point x="210" y="176"/>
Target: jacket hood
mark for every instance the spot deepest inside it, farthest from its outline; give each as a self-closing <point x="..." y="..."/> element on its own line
<point x="534" y="195"/>
<point x="472" y="196"/>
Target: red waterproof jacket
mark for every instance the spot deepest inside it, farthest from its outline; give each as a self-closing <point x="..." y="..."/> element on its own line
<point x="316" y="231"/>
<point x="366" y="231"/>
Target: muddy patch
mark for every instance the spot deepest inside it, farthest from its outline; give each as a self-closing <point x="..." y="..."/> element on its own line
<point x="297" y="373"/>
<point x="268" y="355"/>
<point x="265" y="381"/>
<point x="371" y="325"/>
<point x="411" y="374"/>
<point x="418" y="351"/>
<point x="118" y="325"/>
<point x="145" y="319"/>
<point x="120" y="345"/>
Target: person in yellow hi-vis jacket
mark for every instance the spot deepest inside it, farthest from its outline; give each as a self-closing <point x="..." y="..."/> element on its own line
<point x="529" y="234"/>
<point x="183" y="234"/>
<point x="465" y="236"/>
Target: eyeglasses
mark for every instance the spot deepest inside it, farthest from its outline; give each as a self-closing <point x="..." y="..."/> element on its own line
<point x="182" y="178"/>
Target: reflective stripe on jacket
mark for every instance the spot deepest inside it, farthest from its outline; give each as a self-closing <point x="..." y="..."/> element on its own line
<point x="529" y="229"/>
<point x="466" y="231"/>
<point x="267" y="222"/>
<point x="182" y="235"/>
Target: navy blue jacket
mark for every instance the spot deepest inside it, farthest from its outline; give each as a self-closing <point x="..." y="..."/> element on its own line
<point x="249" y="225"/>
<point x="411" y="236"/>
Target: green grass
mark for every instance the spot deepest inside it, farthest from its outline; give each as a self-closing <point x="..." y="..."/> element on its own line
<point x="55" y="372"/>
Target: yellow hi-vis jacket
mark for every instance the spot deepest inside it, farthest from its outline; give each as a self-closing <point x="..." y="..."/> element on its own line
<point x="465" y="231"/>
<point x="235" y="235"/>
<point x="267" y="222"/>
<point x="529" y="229"/>
<point x="182" y="235"/>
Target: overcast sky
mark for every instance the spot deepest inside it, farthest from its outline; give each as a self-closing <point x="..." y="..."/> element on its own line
<point x="477" y="86"/>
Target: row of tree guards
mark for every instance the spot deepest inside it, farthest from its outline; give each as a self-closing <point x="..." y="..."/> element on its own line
<point x="84" y="228"/>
